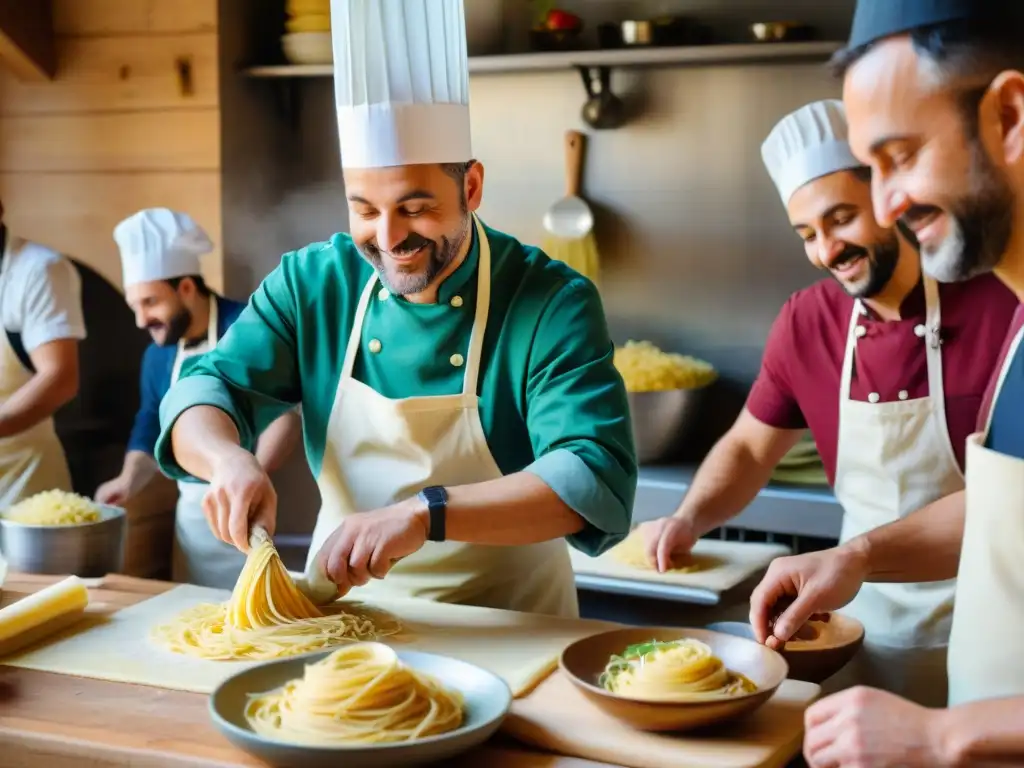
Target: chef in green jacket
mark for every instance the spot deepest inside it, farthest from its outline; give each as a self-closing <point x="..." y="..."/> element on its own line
<point x="461" y="410"/>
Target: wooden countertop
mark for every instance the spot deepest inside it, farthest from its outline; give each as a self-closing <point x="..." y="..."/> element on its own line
<point x="59" y="720"/>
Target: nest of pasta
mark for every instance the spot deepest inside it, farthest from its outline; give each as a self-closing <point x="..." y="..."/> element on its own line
<point x="360" y="694"/>
<point x="679" y="670"/>
<point x="644" y="367"/>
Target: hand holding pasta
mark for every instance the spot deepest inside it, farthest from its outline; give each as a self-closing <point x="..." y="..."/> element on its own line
<point x="266" y="618"/>
<point x="54" y="508"/>
<point x="645" y="368"/>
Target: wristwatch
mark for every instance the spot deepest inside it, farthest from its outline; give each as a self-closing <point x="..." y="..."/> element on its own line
<point x="436" y="499"/>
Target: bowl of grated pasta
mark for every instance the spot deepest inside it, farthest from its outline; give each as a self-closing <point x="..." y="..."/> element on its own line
<point x="666" y="394"/>
<point x="361" y="705"/>
<point x="57" y="532"/>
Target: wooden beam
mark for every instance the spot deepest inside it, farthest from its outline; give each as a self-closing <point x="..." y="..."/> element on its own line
<point x="27" y="45"/>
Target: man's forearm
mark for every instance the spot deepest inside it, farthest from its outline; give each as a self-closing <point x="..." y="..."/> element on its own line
<point x="986" y="733"/>
<point x="923" y="546"/>
<point x="513" y="510"/>
<point x="39" y="398"/>
<point x="726" y="482"/>
<point x="139" y="468"/>
<point x="278" y="441"/>
<point x="201" y="436"/>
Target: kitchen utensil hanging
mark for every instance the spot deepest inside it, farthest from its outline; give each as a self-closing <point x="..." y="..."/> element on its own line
<point x="603" y="109"/>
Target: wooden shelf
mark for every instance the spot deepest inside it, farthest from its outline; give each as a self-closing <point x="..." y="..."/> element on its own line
<point x="631" y="57"/>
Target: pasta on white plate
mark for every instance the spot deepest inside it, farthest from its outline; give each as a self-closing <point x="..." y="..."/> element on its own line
<point x="359" y="694"/>
<point x="268" y="617"/>
<point x="54" y="507"/>
<point x="677" y="670"/>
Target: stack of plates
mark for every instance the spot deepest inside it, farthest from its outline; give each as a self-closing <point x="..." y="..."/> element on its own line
<point x="308" y="40"/>
<point x="802" y="465"/>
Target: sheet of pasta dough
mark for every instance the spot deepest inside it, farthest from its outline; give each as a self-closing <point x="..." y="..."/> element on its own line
<point x="521" y="648"/>
<point x="726" y="564"/>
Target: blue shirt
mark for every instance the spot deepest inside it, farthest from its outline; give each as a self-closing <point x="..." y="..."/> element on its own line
<point x="155" y="379"/>
<point x="1006" y="434"/>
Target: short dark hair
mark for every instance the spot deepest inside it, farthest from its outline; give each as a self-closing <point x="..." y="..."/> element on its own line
<point x="458" y="172"/>
<point x="977" y="49"/>
<point x="201" y="287"/>
<point x="974" y="48"/>
<point x="862" y="173"/>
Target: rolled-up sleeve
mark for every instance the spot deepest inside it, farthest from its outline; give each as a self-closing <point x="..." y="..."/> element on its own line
<point x="251" y="375"/>
<point x="578" y="417"/>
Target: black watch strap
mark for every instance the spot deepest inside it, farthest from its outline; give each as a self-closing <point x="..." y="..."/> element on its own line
<point x="436" y="499"/>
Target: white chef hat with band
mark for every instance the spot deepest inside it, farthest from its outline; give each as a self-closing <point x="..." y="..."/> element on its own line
<point x="160" y="244"/>
<point x="401" y="82"/>
<point x="807" y="144"/>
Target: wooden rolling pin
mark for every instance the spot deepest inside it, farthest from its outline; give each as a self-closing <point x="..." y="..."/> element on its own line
<point x="41" y="614"/>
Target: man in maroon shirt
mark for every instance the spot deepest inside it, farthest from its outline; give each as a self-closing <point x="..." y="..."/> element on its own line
<point x="935" y="96"/>
<point x="885" y="367"/>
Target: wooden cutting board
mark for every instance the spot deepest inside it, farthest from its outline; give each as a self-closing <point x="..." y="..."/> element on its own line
<point x="106" y="724"/>
<point x="557" y="717"/>
<point x="521" y="648"/>
<point x="727" y="564"/>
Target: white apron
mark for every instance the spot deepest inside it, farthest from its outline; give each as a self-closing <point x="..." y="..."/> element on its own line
<point x="893" y="459"/>
<point x="380" y="451"/>
<point x="985" y="660"/>
<point x="32" y="461"/>
<point x="199" y="556"/>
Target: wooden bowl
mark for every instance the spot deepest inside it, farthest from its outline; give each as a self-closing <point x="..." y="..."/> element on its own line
<point x="584" y="660"/>
<point x="818" y="651"/>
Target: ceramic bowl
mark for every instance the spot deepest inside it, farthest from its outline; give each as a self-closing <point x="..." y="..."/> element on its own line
<point x="820" y="649"/>
<point x="584" y="660"/>
<point x="487" y="700"/>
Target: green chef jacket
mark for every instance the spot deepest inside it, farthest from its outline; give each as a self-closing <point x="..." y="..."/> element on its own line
<point x="551" y="401"/>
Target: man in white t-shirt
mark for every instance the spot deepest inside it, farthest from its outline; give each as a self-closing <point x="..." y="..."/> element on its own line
<point x="42" y="323"/>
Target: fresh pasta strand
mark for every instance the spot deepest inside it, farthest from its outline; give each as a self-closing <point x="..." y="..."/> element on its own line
<point x="54" y="507"/>
<point x="630" y="551"/>
<point x="679" y="670"/>
<point x="360" y="693"/>
<point x="267" y="617"/>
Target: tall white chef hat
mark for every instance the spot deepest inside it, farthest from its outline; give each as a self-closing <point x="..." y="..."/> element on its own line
<point x="401" y="82"/>
<point x="807" y="144"/>
<point x="158" y="244"/>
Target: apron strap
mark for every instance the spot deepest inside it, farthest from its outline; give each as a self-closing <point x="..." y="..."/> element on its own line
<point x="846" y="377"/>
<point x="357" y="328"/>
<point x="483" y="305"/>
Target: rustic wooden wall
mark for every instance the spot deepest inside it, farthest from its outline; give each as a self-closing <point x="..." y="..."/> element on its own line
<point x="131" y="121"/>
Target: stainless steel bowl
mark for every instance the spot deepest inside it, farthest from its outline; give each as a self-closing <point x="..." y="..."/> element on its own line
<point x="88" y="550"/>
<point x="663" y="420"/>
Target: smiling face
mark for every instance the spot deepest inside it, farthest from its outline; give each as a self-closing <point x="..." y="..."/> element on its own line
<point x="941" y="149"/>
<point x="833" y="216"/>
<point x="162" y="309"/>
<point x="411" y="222"/>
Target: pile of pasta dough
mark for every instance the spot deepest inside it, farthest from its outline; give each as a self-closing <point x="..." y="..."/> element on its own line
<point x="268" y="617"/>
<point x="54" y="508"/>
<point x="646" y="368"/>
<point x="631" y="552"/>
